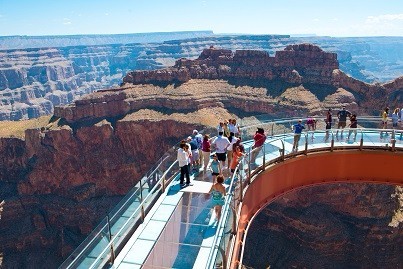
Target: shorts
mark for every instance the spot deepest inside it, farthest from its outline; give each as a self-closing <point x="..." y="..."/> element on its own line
<point x="328" y="125"/>
<point x="215" y="174"/>
<point x="341" y="124"/>
<point x="222" y="156"/>
<point x="394" y="124"/>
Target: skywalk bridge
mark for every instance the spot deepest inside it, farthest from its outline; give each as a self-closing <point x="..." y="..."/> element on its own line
<point x="159" y="225"/>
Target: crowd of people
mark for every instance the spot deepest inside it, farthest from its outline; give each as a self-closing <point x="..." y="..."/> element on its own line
<point x="195" y="152"/>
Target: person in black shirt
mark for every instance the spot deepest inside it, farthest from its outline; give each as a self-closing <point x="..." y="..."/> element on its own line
<point x="342" y="116"/>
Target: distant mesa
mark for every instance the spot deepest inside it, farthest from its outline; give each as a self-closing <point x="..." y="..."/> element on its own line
<point x="303" y="63"/>
<point x="301" y="78"/>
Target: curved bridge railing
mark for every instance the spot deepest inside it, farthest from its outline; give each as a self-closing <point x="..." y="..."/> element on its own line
<point x="277" y="149"/>
<point x="108" y="238"/>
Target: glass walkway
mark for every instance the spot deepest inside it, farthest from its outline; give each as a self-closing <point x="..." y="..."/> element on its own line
<point x="160" y="225"/>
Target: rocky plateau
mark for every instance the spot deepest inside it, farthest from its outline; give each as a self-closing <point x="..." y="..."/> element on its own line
<point x="39" y="73"/>
<point x="61" y="179"/>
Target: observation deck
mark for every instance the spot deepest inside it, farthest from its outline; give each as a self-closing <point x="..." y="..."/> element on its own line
<point x="160" y="225"/>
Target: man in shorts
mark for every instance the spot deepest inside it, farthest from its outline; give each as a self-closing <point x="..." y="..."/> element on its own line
<point x="342" y="116"/>
<point x="221" y="143"/>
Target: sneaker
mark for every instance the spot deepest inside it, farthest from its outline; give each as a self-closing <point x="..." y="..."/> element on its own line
<point x="189" y="184"/>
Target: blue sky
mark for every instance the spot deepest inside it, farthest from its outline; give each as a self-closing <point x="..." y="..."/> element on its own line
<point x="321" y="17"/>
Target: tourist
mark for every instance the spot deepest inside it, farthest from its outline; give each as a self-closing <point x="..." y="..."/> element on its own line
<point x="234" y="128"/>
<point x="215" y="167"/>
<point x="217" y="192"/>
<point x="384" y="116"/>
<point x="259" y="138"/>
<point x="353" y="126"/>
<point x="232" y="139"/>
<point x="328" y="122"/>
<point x="342" y="116"/>
<point x="226" y="128"/>
<point x="183" y="160"/>
<point x="298" y="127"/>
<point x="221" y="144"/>
<point x="195" y="153"/>
<point x="220" y="127"/>
<point x="236" y="155"/>
<point x="206" y="151"/>
<point x="395" y="118"/>
<point x="311" y="123"/>
<point x="198" y="138"/>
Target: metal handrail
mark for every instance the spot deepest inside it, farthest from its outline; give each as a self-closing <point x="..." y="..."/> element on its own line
<point x="282" y="156"/>
<point x="106" y="249"/>
<point x="279" y="136"/>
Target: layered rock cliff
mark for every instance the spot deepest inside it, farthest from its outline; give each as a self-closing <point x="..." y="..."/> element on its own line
<point x="34" y="80"/>
<point x="328" y="227"/>
<point x="61" y="179"/>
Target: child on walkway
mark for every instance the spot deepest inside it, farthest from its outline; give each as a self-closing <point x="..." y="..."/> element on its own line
<point x="215" y="167"/>
<point x="217" y="192"/>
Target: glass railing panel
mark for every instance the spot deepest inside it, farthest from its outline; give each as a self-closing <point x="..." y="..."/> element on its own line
<point x="91" y="247"/>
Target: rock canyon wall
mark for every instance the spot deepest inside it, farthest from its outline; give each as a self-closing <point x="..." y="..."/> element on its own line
<point x="35" y="79"/>
<point x="61" y="179"/>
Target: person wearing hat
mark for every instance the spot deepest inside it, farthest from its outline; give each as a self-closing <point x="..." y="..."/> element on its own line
<point x="342" y="116"/>
<point x="259" y="139"/>
<point x="298" y="127"/>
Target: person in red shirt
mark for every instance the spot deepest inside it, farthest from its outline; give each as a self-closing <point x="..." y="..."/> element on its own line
<point x="259" y="139"/>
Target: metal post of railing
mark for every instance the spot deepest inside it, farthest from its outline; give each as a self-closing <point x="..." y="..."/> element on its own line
<point x="332" y="142"/>
<point x="393" y="141"/>
<point x="272" y="129"/>
<point x="306" y="144"/>
<point x="112" y="260"/>
<point x="163" y="183"/>
<point x="282" y="150"/>
<point x="249" y="166"/>
<point x="362" y="140"/>
<point x="241" y="190"/>
<point x="264" y="158"/>
<point x="224" y="258"/>
<point x="143" y="215"/>
<point x="233" y="229"/>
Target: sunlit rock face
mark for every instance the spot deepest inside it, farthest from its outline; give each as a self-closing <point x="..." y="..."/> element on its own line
<point x="328" y="226"/>
<point x="60" y="181"/>
<point x="56" y="70"/>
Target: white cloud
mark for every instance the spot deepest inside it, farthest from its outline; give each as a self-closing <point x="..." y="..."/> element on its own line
<point x="384" y="18"/>
<point x="106" y="14"/>
<point x="66" y="21"/>
<point x="315" y="20"/>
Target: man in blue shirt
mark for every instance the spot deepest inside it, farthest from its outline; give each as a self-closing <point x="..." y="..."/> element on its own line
<point x="298" y="127"/>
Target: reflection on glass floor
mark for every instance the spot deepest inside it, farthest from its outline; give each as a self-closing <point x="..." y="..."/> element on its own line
<point x="180" y="232"/>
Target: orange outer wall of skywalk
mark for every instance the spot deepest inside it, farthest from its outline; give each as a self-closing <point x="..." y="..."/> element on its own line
<point x="319" y="168"/>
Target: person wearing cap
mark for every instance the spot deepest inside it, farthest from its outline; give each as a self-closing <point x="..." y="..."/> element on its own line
<point x="259" y="139"/>
<point x="298" y="127"/>
<point x="342" y="116"/>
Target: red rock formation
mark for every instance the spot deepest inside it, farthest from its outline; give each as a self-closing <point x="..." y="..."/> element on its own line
<point x="327" y="227"/>
<point x="297" y="63"/>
